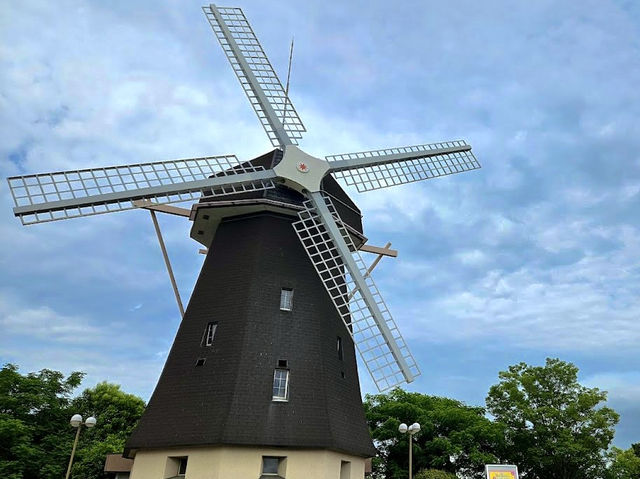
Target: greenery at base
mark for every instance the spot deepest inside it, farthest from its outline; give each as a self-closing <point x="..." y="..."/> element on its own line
<point x="434" y="474"/>
<point x="624" y="464"/>
<point x="35" y="435"/>
<point x="449" y="430"/>
<point x="543" y="420"/>
<point x="555" y="427"/>
<point x="117" y="413"/>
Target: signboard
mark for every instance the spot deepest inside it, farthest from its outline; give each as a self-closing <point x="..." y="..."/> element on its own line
<point x="501" y="471"/>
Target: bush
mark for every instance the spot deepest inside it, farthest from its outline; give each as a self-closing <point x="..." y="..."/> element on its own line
<point x="434" y="474"/>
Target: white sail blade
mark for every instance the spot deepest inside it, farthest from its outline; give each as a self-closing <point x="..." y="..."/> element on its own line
<point x="354" y="295"/>
<point x="257" y="77"/>
<point x="68" y="194"/>
<point x="371" y="170"/>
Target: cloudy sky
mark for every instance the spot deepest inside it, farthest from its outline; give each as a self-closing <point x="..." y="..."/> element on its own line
<point x="535" y="255"/>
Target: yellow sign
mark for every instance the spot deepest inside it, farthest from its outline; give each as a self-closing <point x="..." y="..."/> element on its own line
<point x="502" y="475"/>
<point x="501" y="471"/>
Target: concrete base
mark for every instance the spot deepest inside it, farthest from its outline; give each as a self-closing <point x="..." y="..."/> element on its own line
<point x="226" y="462"/>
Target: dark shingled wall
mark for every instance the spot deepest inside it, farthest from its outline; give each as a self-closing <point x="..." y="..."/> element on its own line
<point x="228" y="400"/>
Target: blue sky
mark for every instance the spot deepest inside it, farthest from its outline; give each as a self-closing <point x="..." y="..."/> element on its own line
<point x="535" y="255"/>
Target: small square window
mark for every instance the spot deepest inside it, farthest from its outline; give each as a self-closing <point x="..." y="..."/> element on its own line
<point x="281" y="385"/>
<point x="286" y="299"/>
<point x="270" y="465"/>
<point x="273" y="466"/>
<point x="176" y="467"/>
<point x="209" y="333"/>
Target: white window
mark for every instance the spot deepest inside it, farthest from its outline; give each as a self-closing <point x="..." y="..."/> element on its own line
<point x="286" y="299"/>
<point x="281" y="385"/>
<point x="209" y="333"/>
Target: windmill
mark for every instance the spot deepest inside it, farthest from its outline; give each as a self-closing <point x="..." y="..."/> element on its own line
<point x="262" y="375"/>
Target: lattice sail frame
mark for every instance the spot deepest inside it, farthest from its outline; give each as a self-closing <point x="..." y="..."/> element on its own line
<point x="30" y="190"/>
<point x="348" y="300"/>
<point x="389" y="172"/>
<point x="251" y="50"/>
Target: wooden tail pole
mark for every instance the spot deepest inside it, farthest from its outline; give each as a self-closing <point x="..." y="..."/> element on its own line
<point x="167" y="262"/>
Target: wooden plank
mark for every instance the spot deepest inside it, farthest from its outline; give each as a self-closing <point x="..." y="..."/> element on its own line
<point x="371" y="268"/>
<point x="172" y="210"/>
<point x="378" y="250"/>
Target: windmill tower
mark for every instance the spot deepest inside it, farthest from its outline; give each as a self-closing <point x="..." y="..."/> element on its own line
<point x="261" y="380"/>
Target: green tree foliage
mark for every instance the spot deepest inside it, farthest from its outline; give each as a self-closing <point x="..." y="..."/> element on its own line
<point x="624" y="464"/>
<point x="434" y="474"/>
<point x="33" y="416"/>
<point x="35" y="435"/>
<point x="555" y="428"/>
<point x="450" y="429"/>
<point x="117" y="414"/>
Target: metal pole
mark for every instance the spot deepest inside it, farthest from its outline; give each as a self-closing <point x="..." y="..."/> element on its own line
<point x="167" y="262"/>
<point x="410" y="456"/>
<point x="286" y="91"/>
<point x="73" y="451"/>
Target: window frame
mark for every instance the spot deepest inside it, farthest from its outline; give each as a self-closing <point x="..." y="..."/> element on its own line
<point x="207" y="341"/>
<point x="283" y="303"/>
<point x="284" y="398"/>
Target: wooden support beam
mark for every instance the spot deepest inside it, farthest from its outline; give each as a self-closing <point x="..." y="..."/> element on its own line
<point x="373" y="265"/>
<point x="378" y="250"/>
<point x="167" y="262"/>
<point x="151" y="206"/>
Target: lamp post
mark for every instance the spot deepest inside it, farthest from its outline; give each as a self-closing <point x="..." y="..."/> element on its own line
<point x="413" y="429"/>
<point x="76" y="421"/>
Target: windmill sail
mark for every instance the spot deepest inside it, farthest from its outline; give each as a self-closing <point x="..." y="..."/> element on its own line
<point x="354" y="294"/>
<point x="68" y="194"/>
<point x="257" y="77"/>
<point x="370" y="170"/>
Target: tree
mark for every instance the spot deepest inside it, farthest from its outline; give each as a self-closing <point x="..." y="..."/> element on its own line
<point x="555" y="427"/>
<point x="623" y="464"/>
<point x="33" y="409"/>
<point x="35" y="435"/>
<point x="434" y="474"/>
<point x="117" y="414"/>
<point x="450" y="430"/>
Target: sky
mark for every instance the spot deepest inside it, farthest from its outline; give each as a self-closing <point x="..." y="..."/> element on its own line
<point x="535" y="255"/>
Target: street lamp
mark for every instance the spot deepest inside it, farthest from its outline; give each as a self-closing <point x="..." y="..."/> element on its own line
<point x="76" y="421"/>
<point x="413" y="429"/>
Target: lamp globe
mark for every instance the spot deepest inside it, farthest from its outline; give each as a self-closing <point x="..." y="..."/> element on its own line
<point x="403" y="428"/>
<point x="76" y="420"/>
<point x="90" y="422"/>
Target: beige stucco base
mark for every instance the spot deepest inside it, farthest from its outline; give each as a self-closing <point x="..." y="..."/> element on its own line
<point x="246" y="462"/>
